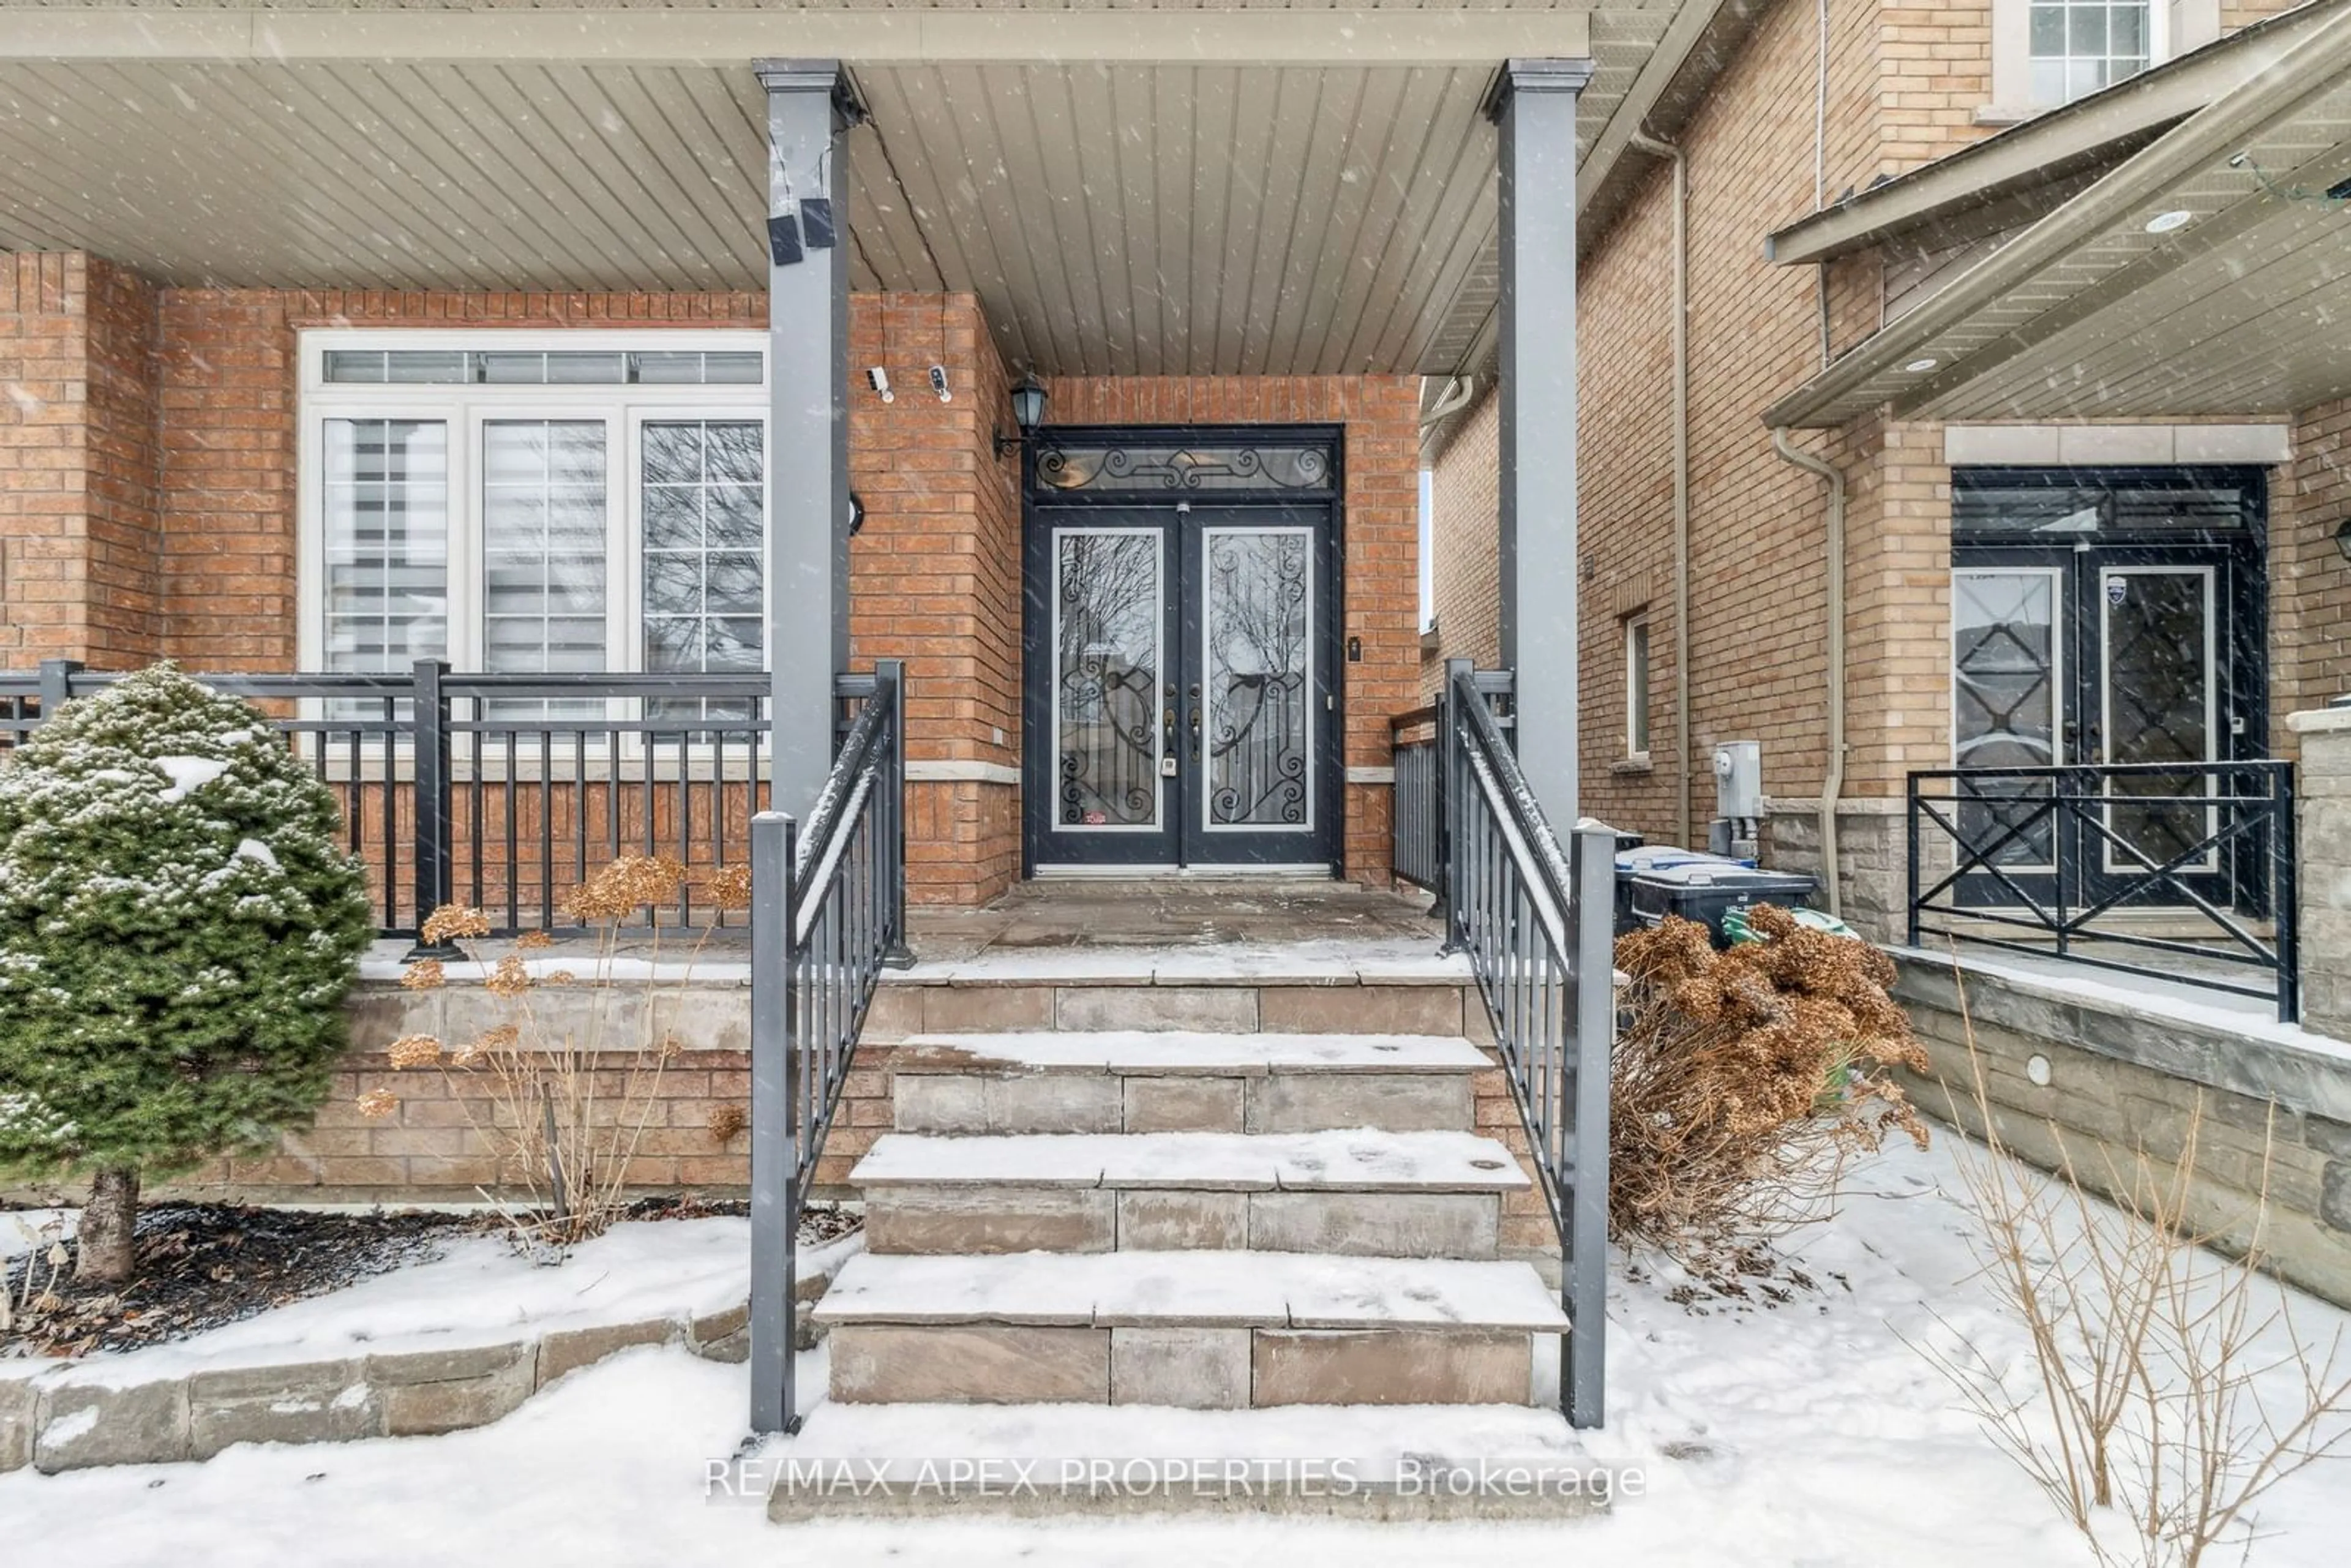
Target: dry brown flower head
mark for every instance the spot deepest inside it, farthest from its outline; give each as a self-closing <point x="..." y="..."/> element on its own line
<point x="378" y="1103"/>
<point x="729" y="887"/>
<point x="413" y="1050"/>
<point x="452" y="921"/>
<point x="508" y="977"/>
<point x="624" y="886"/>
<point x="425" y="975"/>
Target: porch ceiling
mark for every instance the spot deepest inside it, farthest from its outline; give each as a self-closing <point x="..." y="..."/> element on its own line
<point x="1169" y="188"/>
<point x="2206" y="275"/>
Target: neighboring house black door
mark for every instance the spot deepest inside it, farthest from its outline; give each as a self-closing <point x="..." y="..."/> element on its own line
<point x="2098" y="618"/>
<point x="1181" y="700"/>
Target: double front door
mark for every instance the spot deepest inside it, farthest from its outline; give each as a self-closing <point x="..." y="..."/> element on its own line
<point x="2096" y="655"/>
<point x="1180" y="702"/>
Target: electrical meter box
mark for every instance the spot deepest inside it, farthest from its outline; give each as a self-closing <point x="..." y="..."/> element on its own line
<point x="1739" y="781"/>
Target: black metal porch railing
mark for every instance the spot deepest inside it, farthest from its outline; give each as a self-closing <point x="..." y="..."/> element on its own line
<point x="2182" y="872"/>
<point x="1537" y="924"/>
<point x="828" y="915"/>
<point x="503" y="791"/>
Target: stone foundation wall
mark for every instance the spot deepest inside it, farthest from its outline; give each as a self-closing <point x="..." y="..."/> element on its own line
<point x="2323" y="844"/>
<point x="440" y="1144"/>
<point x="2096" y="1080"/>
<point x="1873" y="877"/>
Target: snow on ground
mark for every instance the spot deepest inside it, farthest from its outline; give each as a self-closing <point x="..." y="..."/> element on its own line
<point x="478" y="1291"/>
<point x="1805" y="1434"/>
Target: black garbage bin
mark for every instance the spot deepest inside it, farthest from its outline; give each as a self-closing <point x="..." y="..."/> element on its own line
<point x="1639" y="859"/>
<point x="1706" y="892"/>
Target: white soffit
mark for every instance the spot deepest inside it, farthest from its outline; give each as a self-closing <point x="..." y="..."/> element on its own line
<point x="1289" y="197"/>
<point x="2208" y="275"/>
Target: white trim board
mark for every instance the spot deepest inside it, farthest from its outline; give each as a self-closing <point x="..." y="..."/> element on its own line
<point x="2094" y="445"/>
<point x="959" y="770"/>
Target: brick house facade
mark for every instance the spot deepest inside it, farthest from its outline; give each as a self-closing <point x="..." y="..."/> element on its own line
<point x="151" y="501"/>
<point x="1896" y="88"/>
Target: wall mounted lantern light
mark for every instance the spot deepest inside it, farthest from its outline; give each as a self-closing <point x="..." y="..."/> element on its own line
<point x="2342" y="538"/>
<point x="1028" y="415"/>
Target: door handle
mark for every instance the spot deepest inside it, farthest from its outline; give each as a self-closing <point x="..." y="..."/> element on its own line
<point x="1195" y="735"/>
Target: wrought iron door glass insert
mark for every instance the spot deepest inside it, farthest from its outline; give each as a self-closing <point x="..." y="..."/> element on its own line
<point x="2007" y="686"/>
<point x="1109" y="641"/>
<point x="1258" y="618"/>
<point x="1181" y="465"/>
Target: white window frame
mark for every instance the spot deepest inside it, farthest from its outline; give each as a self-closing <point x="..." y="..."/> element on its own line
<point x="465" y="407"/>
<point x="2174" y="26"/>
<point x="1639" y="653"/>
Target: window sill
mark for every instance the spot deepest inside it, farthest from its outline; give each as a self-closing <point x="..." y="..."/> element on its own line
<point x="1638" y="763"/>
<point x="2000" y="116"/>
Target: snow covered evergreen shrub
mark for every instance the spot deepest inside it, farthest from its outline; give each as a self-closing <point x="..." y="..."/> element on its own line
<point x="178" y="930"/>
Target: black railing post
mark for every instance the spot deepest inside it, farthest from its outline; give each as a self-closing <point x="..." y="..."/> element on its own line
<point x="1458" y="678"/>
<point x="775" y="1140"/>
<point x="428" y="747"/>
<point x="1911" y="853"/>
<point x="57" y="685"/>
<point x="890" y="687"/>
<point x="2285" y="893"/>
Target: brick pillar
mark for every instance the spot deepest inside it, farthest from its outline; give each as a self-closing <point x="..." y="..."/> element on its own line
<point x="78" y="566"/>
<point x="935" y="579"/>
<point x="2324" y="848"/>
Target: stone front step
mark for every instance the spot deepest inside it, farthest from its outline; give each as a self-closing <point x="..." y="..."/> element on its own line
<point x="1398" y="1195"/>
<point x="1216" y="990"/>
<point x="1197" y="1330"/>
<point x="1182" y="1080"/>
<point x="1402" y="1463"/>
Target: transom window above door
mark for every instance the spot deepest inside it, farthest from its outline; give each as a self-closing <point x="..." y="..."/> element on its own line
<point x="554" y="523"/>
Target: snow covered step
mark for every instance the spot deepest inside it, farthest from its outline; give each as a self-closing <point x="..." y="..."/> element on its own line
<point x="1135" y="1082"/>
<point x="1486" y="1462"/>
<point x="1200" y="1330"/>
<point x="1406" y="1194"/>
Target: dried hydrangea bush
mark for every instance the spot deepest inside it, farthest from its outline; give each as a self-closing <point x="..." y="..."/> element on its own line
<point x="1744" y="1080"/>
<point x="563" y="1099"/>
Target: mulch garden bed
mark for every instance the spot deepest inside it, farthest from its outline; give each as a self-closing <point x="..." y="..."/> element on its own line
<point x="202" y="1265"/>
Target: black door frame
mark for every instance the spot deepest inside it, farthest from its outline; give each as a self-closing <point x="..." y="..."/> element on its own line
<point x="2238" y="557"/>
<point x="1044" y="504"/>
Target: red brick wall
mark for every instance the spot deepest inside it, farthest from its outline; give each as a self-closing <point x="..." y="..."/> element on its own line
<point x="1381" y="506"/>
<point x="936" y="577"/>
<point x="78" y="472"/>
<point x="150" y="507"/>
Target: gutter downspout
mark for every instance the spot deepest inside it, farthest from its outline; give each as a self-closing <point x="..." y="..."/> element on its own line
<point x="1655" y="148"/>
<point x="1832" y="780"/>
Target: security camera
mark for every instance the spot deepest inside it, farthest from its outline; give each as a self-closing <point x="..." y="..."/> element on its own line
<point x="879" y="380"/>
<point x="939" y="383"/>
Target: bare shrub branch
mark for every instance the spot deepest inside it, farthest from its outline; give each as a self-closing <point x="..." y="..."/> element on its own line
<point x="2172" y="1387"/>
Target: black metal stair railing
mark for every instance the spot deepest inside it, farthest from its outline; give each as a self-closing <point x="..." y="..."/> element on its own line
<point x="1536" y="919"/>
<point x="2182" y="871"/>
<point x="828" y="915"/>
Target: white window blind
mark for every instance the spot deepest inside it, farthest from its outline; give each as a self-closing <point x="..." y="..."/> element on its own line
<point x="386" y="545"/>
<point x="543" y="549"/>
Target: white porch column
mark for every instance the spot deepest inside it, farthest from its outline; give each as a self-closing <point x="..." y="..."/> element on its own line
<point x="807" y="428"/>
<point x="1535" y="107"/>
